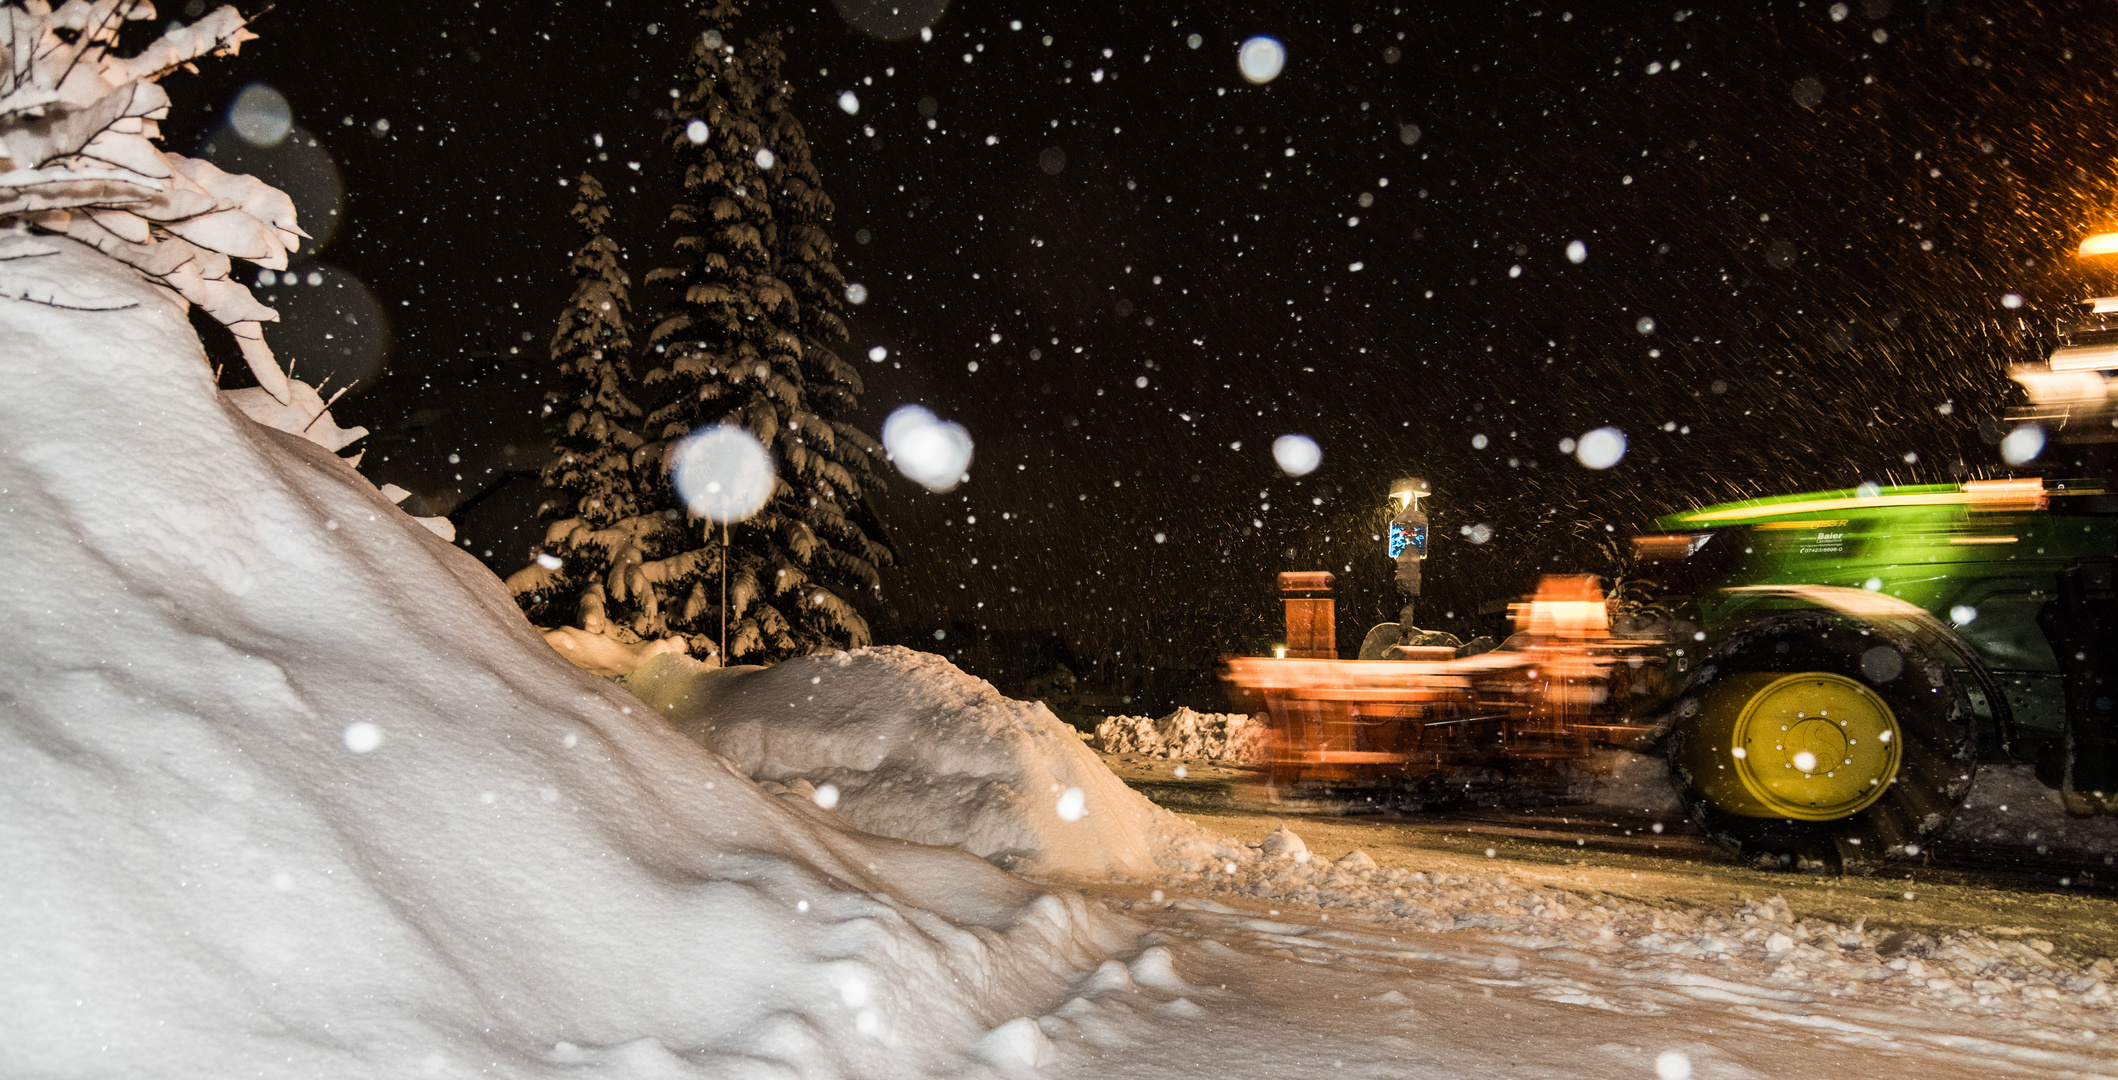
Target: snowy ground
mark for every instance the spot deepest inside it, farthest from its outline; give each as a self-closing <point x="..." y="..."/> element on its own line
<point x="1619" y="956"/>
<point x="2009" y="808"/>
<point x="1584" y="967"/>
<point x="1521" y="996"/>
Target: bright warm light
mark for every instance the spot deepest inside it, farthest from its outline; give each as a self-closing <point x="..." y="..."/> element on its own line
<point x="1997" y="495"/>
<point x="1279" y="652"/>
<point x="2099" y="244"/>
<point x="2086" y="358"/>
<point x="1409" y="489"/>
<point x="1570" y="606"/>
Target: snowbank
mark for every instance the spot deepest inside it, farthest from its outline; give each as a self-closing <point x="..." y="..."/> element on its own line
<point x="916" y="749"/>
<point x="1195" y="736"/>
<point x="288" y="786"/>
<point x="602" y="654"/>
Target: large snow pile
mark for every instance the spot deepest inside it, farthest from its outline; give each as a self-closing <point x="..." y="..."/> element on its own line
<point x="1193" y="736"/>
<point x="909" y="746"/>
<point x="288" y="786"/>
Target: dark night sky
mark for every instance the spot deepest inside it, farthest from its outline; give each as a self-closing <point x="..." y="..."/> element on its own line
<point x="1823" y="216"/>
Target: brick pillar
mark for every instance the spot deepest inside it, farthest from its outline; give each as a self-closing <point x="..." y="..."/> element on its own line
<point x="1312" y="616"/>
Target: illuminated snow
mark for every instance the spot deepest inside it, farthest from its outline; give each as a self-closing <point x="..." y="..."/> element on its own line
<point x="1297" y="455"/>
<point x="1261" y="58"/>
<point x="2022" y="445"/>
<point x="722" y="472"/>
<point x="261" y="115"/>
<point x="932" y="451"/>
<point x="1072" y="805"/>
<point x="362" y="737"/>
<point x="1601" y="448"/>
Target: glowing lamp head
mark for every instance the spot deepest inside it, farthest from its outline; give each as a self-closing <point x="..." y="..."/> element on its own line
<point x="1408" y="490"/>
<point x="1279" y="652"/>
<point x="2101" y="244"/>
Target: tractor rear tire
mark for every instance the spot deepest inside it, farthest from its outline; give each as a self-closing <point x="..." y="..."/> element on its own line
<point x="1768" y="772"/>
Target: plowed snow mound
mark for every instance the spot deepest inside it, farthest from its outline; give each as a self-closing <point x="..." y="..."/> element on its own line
<point x="1188" y="735"/>
<point x="288" y="787"/>
<point x="916" y="749"/>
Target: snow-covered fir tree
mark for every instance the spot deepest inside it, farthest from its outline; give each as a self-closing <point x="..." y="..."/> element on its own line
<point x="841" y="465"/>
<point x="731" y="349"/>
<point x="602" y="527"/>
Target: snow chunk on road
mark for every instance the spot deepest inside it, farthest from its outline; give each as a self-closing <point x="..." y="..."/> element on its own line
<point x="923" y="752"/>
<point x="205" y="876"/>
<point x="1283" y="841"/>
<point x="1184" y="734"/>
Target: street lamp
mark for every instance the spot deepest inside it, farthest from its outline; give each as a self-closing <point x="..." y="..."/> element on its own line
<point x="1408" y="543"/>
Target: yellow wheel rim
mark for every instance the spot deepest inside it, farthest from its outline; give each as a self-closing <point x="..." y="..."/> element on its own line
<point x="1811" y="746"/>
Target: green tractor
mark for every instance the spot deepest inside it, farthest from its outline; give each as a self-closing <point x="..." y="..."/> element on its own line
<point x="1849" y="657"/>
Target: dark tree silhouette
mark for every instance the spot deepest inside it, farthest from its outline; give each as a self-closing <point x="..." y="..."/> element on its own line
<point x="745" y="341"/>
<point x="600" y="484"/>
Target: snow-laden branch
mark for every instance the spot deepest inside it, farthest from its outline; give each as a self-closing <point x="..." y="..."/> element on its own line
<point x="78" y="157"/>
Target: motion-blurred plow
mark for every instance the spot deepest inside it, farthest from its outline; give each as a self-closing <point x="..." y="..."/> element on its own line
<point x="1429" y="725"/>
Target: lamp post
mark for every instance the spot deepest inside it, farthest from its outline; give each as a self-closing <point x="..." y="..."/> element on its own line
<point x="1408" y="543"/>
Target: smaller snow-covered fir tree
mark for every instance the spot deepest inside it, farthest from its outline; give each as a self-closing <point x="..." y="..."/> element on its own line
<point x="601" y="531"/>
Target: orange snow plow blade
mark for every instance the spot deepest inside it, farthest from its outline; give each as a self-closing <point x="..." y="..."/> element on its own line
<point x="1543" y="698"/>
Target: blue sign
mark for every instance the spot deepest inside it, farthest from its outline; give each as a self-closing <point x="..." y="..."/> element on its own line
<point x="1407" y="537"/>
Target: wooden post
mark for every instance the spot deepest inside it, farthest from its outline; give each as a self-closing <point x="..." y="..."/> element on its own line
<point x="1312" y="615"/>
